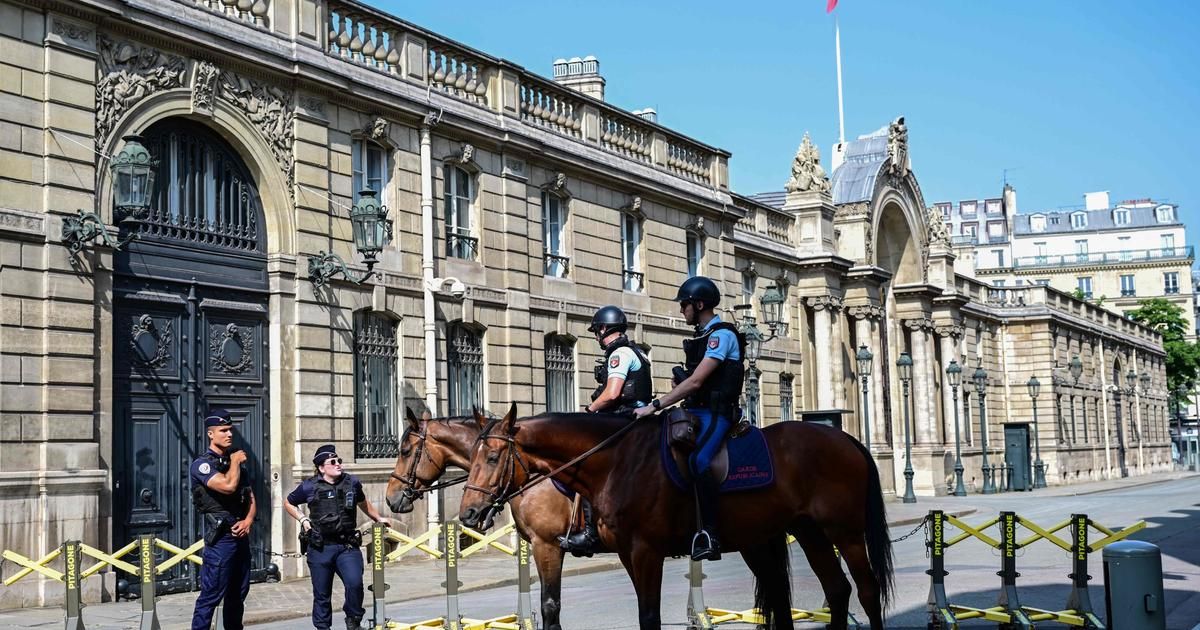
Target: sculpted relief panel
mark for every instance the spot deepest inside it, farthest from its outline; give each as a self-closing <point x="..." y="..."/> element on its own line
<point x="129" y="73"/>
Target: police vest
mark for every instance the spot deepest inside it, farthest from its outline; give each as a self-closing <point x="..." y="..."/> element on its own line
<point x="332" y="507"/>
<point x="209" y="501"/>
<point x="637" y="387"/>
<point x="723" y="387"/>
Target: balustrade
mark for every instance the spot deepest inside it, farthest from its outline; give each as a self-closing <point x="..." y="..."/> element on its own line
<point x="688" y="161"/>
<point x="458" y="74"/>
<point x="624" y="136"/>
<point x="551" y="108"/>
<point x="249" y="11"/>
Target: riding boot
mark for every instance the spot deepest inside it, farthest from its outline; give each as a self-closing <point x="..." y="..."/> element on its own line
<point x="705" y="545"/>
<point x="586" y="541"/>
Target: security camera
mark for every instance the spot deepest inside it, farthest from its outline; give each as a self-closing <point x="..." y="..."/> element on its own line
<point x="457" y="289"/>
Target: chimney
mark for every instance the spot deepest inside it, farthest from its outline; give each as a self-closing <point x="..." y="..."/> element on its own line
<point x="649" y="114"/>
<point x="581" y="75"/>
<point x="1010" y="200"/>
<point x="1096" y="200"/>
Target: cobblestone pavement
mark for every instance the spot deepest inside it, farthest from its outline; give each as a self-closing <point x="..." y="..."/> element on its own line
<point x="416" y="579"/>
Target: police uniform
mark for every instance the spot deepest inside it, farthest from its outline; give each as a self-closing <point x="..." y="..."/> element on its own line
<point x="225" y="574"/>
<point x="715" y="402"/>
<point x="624" y="360"/>
<point x="333" y="547"/>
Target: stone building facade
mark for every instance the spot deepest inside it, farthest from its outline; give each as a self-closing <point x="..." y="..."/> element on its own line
<point x="519" y="206"/>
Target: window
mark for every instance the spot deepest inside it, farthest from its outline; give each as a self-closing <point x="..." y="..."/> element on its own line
<point x="1081" y="250"/>
<point x="967" y="208"/>
<point x="970" y="229"/>
<point x="460" y="240"/>
<point x="1020" y="282"/>
<point x="785" y="397"/>
<point x="995" y="230"/>
<point x="945" y="208"/>
<point x="1039" y="250"/>
<point x="999" y="254"/>
<point x="1037" y="223"/>
<point x="631" y="240"/>
<point x="554" y="222"/>
<point x="695" y="253"/>
<point x="1165" y="214"/>
<point x="370" y="166"/>
<point x="375" y="391"/>
<point x="748" y="282"/>
<point x="560" y="374"/>
<point x="1084" y="285"/>
<point x="1121" y="216"/>
<point x="464" y="369"/>
<point x="1171" y="282"/>
<point x="1079" y="220"/>
<point x="992" y="206"/>
<point x="998" y="283"/>
<point x="1168" y="244"/>
<point x="1127" y="289"/>
<point x="1043" y="282"/>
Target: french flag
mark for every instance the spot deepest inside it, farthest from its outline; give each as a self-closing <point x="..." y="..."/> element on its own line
<point x="830" y="6"/>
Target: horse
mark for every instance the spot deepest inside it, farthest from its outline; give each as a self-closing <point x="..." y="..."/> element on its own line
<point x="541" y="514"/>
<point x="827" y="492"/>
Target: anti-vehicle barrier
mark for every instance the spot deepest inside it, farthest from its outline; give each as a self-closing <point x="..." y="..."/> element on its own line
<point x="72" y="554"/>
<point x="523" y="619"/>
<point x="1009" y="612"/>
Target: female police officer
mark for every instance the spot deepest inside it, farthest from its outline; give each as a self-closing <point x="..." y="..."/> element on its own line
<point x="332" y="532"/>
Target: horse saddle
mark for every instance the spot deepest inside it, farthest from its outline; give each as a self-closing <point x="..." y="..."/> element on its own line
<point x="743" y="463"/>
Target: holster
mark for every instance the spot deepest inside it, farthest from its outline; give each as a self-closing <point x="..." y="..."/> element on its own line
<point x="217" y="526"/>
<point x="315" y="540"/>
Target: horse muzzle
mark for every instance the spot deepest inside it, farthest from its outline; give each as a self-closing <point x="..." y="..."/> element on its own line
<point x="401" y="503"/>
<point x="479" y="519"/>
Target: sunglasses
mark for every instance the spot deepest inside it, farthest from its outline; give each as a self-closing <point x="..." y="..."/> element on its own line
<point x="333" y="460"/>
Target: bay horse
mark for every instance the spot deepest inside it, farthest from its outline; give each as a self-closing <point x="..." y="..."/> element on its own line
<point x="541" y="514"/>
<point x="826" y="493"/>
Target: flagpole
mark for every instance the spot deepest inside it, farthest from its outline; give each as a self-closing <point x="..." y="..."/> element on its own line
<point x="837" y="39"/>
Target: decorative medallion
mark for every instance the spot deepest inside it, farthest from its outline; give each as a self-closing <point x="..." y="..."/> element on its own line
<point x="230" y="348"/>
<point x="152" y="347"/>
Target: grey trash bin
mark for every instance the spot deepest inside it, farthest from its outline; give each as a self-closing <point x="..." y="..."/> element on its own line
<point x="1133" y="586"/>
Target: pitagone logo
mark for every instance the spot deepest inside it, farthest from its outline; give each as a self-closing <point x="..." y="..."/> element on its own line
<point x="147" y="562"/>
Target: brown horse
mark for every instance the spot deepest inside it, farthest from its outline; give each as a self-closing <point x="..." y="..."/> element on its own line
<point x="428" y="447"/>
<point x="826" y="493"/>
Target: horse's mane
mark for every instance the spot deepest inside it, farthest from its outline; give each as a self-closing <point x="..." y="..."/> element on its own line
<point x="594" y="425"/>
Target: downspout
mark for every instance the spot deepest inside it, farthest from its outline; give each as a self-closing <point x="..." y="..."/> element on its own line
<point x="434" y="500"/>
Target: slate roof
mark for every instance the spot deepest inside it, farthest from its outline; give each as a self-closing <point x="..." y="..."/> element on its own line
<point x="1097" y="220"/>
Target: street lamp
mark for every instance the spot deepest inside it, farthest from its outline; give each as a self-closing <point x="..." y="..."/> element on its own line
<point x="1039" y="467"/>
<point x="864" y="357"/>
<point x="980" y="377"/>
<point x="772" y="311"/>
<point x="133" y="174"/>
<point x="1145" y="379"/>
<point x="372" y="230"/>
<point x="954" y="377"/>
<point x="1076" y="370"/>
<point x="905" y="363"/>
<point x="754" y="342"/>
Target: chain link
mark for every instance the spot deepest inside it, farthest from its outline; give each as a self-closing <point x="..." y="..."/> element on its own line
<point x="277" y="554"/>
<point x="921" y="525"/>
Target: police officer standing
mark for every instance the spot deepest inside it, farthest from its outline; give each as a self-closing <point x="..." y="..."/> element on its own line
<point x="710" y="389"/>
<point x="624" y="384"/>
<point x="221" y="493"/>
<point x="331" y="532"/>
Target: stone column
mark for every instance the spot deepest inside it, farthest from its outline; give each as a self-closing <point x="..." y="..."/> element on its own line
<point x="923" y="429"/>
<point x="950" y="334"/>
<point x="823" y="307"/>
<point x="867" y="333"/>
<point x="838" y="356"/>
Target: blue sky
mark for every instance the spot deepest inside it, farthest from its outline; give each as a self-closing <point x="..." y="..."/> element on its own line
<point x="1070" y="96"/>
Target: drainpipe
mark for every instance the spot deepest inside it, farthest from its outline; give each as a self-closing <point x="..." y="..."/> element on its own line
<point x="434" y="499"/>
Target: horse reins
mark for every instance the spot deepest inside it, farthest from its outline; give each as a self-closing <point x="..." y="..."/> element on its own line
<point x="410" y="479"/>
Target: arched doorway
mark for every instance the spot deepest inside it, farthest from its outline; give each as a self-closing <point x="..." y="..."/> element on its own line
<point x="895" y="252"/>
<point x="190" y="333"/>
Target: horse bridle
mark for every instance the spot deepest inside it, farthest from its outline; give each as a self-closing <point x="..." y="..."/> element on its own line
<point x="410" y="480"/>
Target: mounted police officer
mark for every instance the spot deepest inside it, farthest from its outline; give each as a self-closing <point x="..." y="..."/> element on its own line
<point x="221" y="493"/>
<point x="709" y="387"/>
<point x="330" y="535"/>
<point x="624" y="384"/>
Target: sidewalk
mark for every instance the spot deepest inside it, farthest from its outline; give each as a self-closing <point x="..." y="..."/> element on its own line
<point x="415" y="578"/>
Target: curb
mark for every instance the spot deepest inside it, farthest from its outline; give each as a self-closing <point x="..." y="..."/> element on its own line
<point x="1125" y="486"/>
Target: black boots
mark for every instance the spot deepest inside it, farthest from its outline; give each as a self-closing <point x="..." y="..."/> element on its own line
<point x="705" y="545"/>
<point x="586" y="541"/>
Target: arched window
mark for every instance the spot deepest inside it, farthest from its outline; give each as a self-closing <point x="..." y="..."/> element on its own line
<point x="459" y="192"/>
<point x="464" y="370"/>
<point x="560" y="374"/>
<point x="376" y="396"/>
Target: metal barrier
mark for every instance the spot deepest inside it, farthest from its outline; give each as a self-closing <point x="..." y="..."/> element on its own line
<point x="523" y="619"/>
<point x="73" y="552"/>
<point x="1009" y="612"/>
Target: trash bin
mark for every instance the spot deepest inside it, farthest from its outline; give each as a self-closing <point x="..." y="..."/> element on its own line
<point x="1133" y="586"/>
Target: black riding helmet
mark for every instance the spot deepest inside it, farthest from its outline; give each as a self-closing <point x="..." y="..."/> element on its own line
<point x="699" y="289"/>
<point x="610" y="317"/>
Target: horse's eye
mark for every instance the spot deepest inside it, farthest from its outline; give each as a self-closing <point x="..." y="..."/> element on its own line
<point x="405" y="451"/>
<point x="493" y="459"/>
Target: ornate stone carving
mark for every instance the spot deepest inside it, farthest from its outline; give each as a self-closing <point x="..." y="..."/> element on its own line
<point x="379" y="128"/>
<point x="852" y="210"/>
<point x="432" y="119"/>
<point x="634" y="206"/>
<point x="230" y="348"/>
<point x="897" y="148"/>
<point x="866" y="311"/>
<point x="807" y="174"/>
<point x="269" y="109"/>
<point x="918" y="324"/>
<point x="949" y="329"/>
<point x="204" y="81"/>
<point x="313" y="105"/>
<point x="152" y="347"/>
<point x="22" y="221"/>
<point x="558" y="185"/>
<point x="71" y="31"/>
<point x="869" y="242"/>
<point x="128" y="74"/>
<point x="938" y="234"/>
<point x="822" y="302"/>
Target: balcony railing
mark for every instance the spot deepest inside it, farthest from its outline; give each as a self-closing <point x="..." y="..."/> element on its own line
<point x="1094" y="258"/>
<point x="1128" y="293"/>
<point x="359" y="34"/>
<point x="557" y="266"/>
<point x="461" y="246"/>
<point x="964" y="239"/>
<point x="633" y="280"/>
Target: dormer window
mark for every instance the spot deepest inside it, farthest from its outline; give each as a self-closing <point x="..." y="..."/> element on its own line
<point x="1121" y="216"/>
<point x="1079" y="220"/>
<point x="1165" y="214"/>
<point x="1037" y="223"/>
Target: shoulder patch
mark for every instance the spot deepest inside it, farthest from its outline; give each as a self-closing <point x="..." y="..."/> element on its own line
<point x="714" y="342"/>
<point x="204" y="468"/>
<point x="615" y="361"/>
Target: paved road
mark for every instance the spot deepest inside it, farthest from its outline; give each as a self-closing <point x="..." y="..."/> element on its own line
<point x="605" y="601"/>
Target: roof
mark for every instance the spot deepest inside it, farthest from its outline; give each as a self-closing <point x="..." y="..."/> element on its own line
<point x="854" y="180"/>
<point x="1097" y="220"/>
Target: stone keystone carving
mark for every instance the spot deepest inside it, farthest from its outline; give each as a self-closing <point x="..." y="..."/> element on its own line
<point x="203" y="86"/>
<point x="807" y="174"/>
<point x="938" y="234"/>
<point x="897" y="148"/>
<point x="379" y="128"/>
<point x="128" y="74"/>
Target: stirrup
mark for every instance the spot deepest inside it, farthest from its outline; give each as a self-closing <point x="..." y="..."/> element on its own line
<point x="704" y="547"/>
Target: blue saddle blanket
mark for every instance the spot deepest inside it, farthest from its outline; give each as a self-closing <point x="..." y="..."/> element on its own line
<point x="750" y="463"/>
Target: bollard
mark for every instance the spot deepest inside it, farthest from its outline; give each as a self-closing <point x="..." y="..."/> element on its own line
<point x="378" y="579"/>
<point x="453" y="616"/>
<point x="146" y="575"/>
<point x="1133" y="586"/>
<point x="73" y="601"/>
<point x="525" y="616"/>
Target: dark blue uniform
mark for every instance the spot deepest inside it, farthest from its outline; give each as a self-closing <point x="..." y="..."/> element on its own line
<point x="225" y="574"/>
<point x="331" y="511"/>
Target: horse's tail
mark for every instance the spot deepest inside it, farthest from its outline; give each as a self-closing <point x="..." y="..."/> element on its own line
<point x="773" y="587"/>
<point x="879" y="542"/>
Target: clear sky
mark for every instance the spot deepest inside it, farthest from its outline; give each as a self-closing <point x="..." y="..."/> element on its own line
<point x="1070" y="96"/>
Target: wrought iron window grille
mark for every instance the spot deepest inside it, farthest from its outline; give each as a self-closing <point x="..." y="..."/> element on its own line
<point x="557" y="266"/>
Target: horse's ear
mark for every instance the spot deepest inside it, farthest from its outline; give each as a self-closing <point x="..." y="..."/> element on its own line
<point x="510" y="421"/>
<point x="410" y="416"/>
<point x="512" y="412"/>
<point x="479" y="417"/>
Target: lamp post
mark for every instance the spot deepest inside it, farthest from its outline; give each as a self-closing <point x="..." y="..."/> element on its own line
<point x="954" y="377"/>
<point x="980" y="378"/>
<point x="1145" y="379"/>
<point x="754" y="341"/>
<point x="1076" y="369"/>
<point x="1121" y="427"/>
<point x="133" y="174"/>
<point x="864" y="357"/>
<point x="905" y="363"/>
<point x="1039" y="467"/>
<point x="372" y="230"/>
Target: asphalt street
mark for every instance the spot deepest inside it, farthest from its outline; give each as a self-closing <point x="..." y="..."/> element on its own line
<point x="605" y="601"/>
